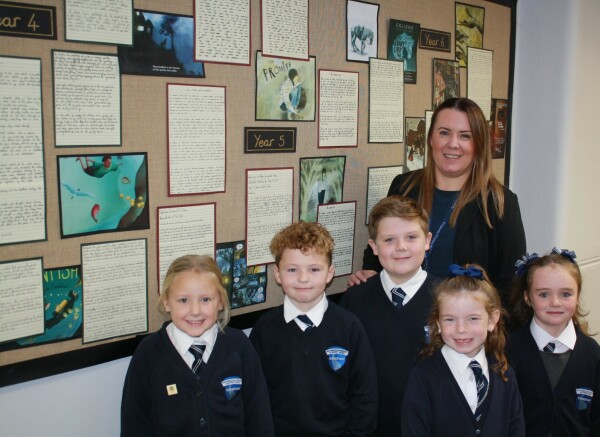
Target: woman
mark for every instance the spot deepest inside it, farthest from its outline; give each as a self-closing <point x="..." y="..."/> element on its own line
<point x="473" y="218"/>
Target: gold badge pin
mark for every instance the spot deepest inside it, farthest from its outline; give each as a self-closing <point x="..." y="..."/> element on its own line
<point x="172" y="389"/>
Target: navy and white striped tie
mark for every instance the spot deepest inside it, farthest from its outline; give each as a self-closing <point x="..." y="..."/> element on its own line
<point x="550" y="347"/>
<point x="398" y="296"/>
<point x="482" y="387"/>
<point x="306" y="320"/>
<point x="197" y="350"/>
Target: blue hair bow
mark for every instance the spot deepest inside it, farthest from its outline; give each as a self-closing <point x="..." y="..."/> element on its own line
<point x="470" y="272"/>
<point x="522" y="264"/>
<point x="569" y="254"/>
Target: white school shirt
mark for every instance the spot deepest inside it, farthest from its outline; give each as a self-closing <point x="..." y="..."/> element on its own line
<point x="459" y="366"/>
<point x="564" y="342"/>
<point x="315" y="314"/>
<point x="182" y="342"/>
<point x="410" y="287"/>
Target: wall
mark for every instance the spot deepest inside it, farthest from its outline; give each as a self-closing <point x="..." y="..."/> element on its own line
<point x="555" y="158"/>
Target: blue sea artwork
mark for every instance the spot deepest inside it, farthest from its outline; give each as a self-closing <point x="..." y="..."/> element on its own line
<point x="63" y="314"/>
<point x="103" y="193"/>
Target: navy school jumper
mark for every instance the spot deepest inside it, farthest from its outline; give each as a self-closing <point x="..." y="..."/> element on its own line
<point x="308" y="396"/>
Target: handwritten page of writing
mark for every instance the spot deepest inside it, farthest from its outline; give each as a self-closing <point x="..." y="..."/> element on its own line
<point x="269" y="208"/>
<point x="115" y="289"/>
<point x="379" y="180"/>
<point x="22" y="200"/>
<point x="222" y="31"/>
<point x="285" y="28"/>
<point x="106" y="21"/>
<point x="339" y="219"/>
<point x="428" y="117"/>
<point x="184" y="230"/>
<point x="196" y="117"/>
<point x="338" y="109"/>
<point x="87" y="99"/>
<point x="386" y="101"/>
<point x="21" y="299"/>
<point x="479" y="79"/>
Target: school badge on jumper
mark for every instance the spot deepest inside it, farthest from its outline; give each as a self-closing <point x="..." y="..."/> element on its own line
<point x="584" y="398"/>
<point x="232" y="386"/>
<point x="427" y="337"/>
<point x="337" y="357"/>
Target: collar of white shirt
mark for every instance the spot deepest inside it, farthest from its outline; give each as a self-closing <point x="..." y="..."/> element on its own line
<point x="182" y="342"/>
<point x="315" y="314"/>
<point x="459" y="363"/>
<point x="410" y="287"/>
<point x="564" y="342"/>
<point x="459" y="366"/>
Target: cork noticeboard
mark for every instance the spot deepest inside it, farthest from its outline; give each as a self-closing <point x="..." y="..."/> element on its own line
<point x="144" y="131"/>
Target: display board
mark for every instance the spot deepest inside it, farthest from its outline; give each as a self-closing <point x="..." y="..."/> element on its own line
<point x="129" y="141"/>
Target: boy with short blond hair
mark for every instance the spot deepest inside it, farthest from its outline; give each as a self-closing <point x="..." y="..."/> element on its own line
<point x="315" y="355"/>
<point x="394" y="304"/>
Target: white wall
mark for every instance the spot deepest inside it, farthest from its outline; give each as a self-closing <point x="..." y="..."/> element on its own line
<point x="555" y="172"/>
<point x="85" y="402"/>
<point x="555" y="166"/>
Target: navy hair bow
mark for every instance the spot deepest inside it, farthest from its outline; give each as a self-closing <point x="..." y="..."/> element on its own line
<point x="470" y="272"/>
<point x="569" y="254"/>
<point x="522" y="264"/>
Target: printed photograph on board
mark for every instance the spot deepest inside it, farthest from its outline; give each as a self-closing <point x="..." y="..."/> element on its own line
<point x="245" y="285"/>
<point x="499" y="126"/>
<point x="402" y="47"/>
<point x="446" y="81"/>
<point x="321" y="182"/>
<point x="469" y="21"/>
<point x="63" y="313"/>
<point x="361" y="30"/>
<point x="414" y="143"/>
<point x="103" y="193"/>
<point x="163" y="45"/>
<point x="285" y="89"/>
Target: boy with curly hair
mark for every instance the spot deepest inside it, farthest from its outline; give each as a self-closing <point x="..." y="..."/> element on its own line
<point x="315" y="355"/>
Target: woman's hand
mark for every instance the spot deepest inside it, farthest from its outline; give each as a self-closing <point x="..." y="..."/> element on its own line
<point x="359" y="277"/>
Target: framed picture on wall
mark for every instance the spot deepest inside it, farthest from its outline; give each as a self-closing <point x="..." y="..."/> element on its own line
<point x="414" y="143"/>
<point x="446" y="81"/>
<point x="361" y="30"/>
<point x="321" y="182"/>
<point x="245" y="285"/>
<point x="403" y="39"/>
<point x="163" y="45"/>
<point x="285" y="89"/>
<point x="469" y="21"/>
<point x="103" y="193"/>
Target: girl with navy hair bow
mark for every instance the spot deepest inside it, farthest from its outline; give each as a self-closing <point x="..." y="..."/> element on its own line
<point x="556" y="361"/>
<point x="464" y="385"/>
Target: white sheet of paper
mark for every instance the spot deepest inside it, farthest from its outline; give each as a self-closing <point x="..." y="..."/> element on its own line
<point x="386" y="101"/>
<point x="285" y="28"/>
<point x="338" y="109"/>
<point x="21" y="299"/>
<point x="184" y="230"/>
<point x="87" y="99"/>
<point x="339" y="219"/>
<point x="222" y="31"/>
<point x="269" y="208"/>
<point x="479" y="78"/>
<point x="115" y="289"/>
<point x="379" y="180"/>
<point x="196" y="118"/>
<point x="22" y="199"/>
<point x="106" y="21"/>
